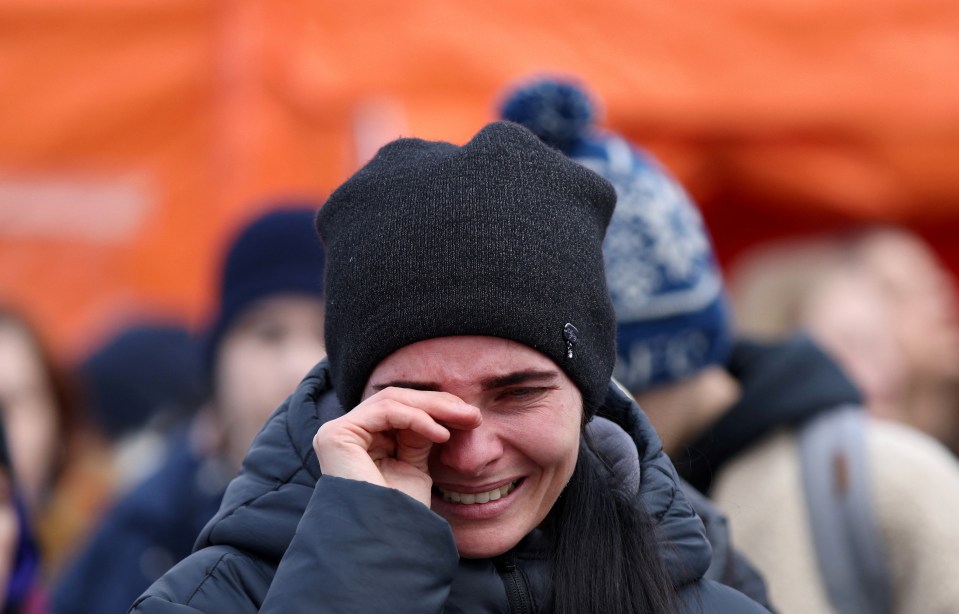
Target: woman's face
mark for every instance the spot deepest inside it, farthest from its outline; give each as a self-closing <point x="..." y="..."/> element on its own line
<point x="494" y="484"/>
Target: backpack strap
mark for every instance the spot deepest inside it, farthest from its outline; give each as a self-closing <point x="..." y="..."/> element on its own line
<point x="849" y="548"/>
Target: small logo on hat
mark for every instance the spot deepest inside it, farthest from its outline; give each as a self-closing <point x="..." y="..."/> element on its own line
<point x="571" y="335"/>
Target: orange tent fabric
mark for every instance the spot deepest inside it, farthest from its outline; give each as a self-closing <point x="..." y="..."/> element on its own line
<point x="135" y="135"/>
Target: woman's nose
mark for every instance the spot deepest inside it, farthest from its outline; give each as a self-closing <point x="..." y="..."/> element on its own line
<point x="470" y="452"/>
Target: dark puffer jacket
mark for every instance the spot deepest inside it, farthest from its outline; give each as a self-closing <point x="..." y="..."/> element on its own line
<point x="285" y="540"/>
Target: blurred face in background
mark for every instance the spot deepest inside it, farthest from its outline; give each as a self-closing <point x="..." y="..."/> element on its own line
<point x="28" y="406"/>
<point x="262" y="358"/>
<point x="922" y="297"/>
<point x="849" y="316"/>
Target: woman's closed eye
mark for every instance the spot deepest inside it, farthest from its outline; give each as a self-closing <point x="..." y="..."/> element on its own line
<point x="523" y="393"/>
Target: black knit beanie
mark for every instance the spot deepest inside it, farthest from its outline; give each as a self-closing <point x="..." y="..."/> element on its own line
<point x="500" y="237"/>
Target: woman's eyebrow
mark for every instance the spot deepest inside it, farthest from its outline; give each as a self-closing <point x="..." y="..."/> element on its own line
<point x="490" y="383"/>
<point x="519" y="377"/>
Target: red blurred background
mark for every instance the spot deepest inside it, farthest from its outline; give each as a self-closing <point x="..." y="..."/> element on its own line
<point x="134" y="135"/>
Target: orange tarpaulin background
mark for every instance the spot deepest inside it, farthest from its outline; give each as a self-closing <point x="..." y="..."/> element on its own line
<point x="135" y="135"/>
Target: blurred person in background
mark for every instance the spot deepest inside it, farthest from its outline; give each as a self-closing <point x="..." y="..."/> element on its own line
<point x="37" y="408"/>
<point x="266" y="335"/>
<point x="848" y="314"/>
<point x="841" y="513"/>
<point x="139" y="383"/>
<point x="52" y="449"/>
<point x="880" y="301"/>
<point x="811" y="285"/>
<point x="921" y="295"/>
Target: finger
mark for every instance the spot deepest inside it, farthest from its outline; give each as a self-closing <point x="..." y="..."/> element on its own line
<point x="413" y="449"/>
<point x="357" y="444"/>
<point x="444" y="407"/>
<point x="385" y="415"/>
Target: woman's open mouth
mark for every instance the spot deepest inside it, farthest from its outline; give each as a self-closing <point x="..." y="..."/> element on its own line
<point x="451" y="496"/>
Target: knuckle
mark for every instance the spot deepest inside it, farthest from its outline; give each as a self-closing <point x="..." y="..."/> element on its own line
<point x="323" y="431"/>
<point x="450" y="397"/>
<point x="390" y="405"/>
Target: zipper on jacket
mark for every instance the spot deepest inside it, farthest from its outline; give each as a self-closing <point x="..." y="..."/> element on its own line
<point x="517" y="590"/>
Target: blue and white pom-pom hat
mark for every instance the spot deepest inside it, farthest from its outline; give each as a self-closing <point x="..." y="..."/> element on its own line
<point x="672" y="313"/>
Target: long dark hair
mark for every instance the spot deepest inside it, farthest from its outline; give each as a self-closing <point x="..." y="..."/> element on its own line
<point x="605" y="558"/>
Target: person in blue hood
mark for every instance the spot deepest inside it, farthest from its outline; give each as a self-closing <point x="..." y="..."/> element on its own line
<point x="462" y="448"/>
